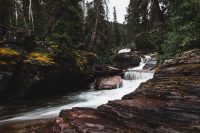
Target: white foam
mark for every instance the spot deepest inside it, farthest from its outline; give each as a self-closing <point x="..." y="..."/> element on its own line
<point x="91" y="99"/>
<point x="124" y="51"/>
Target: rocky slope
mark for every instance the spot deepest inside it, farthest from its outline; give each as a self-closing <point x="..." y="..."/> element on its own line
<point x="170" y="102"/>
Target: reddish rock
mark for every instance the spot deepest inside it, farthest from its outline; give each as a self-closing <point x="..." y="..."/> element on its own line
<point x="86" y="120"/>
<point x="112" y="82"/>
<point x="168" y="103"/>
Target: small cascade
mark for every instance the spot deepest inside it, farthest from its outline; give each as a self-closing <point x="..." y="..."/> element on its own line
<point x="94" y="98"/>
<point x="137" y="73"/>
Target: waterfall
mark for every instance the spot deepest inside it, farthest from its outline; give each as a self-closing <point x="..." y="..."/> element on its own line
<point x="92" y="98"/>
<point x="137" y="73"/>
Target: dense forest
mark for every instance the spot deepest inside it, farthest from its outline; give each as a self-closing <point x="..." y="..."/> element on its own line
<point x="72" y="24"/>
<point x="110" y="76"/>
<point x="165" y="26"/>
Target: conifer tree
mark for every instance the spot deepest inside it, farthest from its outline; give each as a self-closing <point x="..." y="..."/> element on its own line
<point x="116" y="29"/>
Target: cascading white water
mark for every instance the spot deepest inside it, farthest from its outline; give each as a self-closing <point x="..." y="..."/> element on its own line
<point x="88" y="99"/>
<point x="124" y="51"/>
<point x="137" y="73"/>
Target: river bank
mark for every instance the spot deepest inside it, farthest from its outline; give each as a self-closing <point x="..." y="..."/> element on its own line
<point x="167" y="103"/>
<point x="92" y="99"/>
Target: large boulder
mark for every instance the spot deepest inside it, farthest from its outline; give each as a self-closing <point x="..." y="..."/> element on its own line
<point x="107" y="77"/>
<point x="111" y="82"/>
<point x="8" y="62"/>
<point x="128" y="59"/>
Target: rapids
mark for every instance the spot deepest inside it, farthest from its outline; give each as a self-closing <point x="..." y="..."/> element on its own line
<point x="132" y="79"/>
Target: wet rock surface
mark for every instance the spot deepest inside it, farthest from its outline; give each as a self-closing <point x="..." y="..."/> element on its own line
<point x="87" y="120"/>
<point x="150" y="64"/>
<point x="111" y="82"/>
<point x="170" y="102"/>
<point x="33" y="126"/>
<point x="107" y="77"/>
<point x="126" y="60"/>
<point x="101" y="71"/>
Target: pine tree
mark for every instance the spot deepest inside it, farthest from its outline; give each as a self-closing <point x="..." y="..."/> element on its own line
<point x="98" y="31"/>
<point x="116" y="30"/>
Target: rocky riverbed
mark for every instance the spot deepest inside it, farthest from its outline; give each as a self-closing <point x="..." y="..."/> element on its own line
<point x="170" y="102"/>
<point x="167" y="103"/>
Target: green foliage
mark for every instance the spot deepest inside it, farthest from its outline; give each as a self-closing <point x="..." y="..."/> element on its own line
<point x="68" y="29"/>
<point x="171" y="45"/>
<point x="42" y="58"/>
<point x="185" y="29"/>
<point x="168" y="27"/>
<point x="98" y="32"/>
<point x="60" y="34"/>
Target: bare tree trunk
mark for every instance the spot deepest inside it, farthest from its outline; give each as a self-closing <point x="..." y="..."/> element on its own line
<point x="94" y="34"/>
<point x="31" y="14"/>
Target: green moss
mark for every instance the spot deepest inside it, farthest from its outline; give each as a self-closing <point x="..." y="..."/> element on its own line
<point x="39" y="58"/>
<point x="83" y="59"/>
<point x="6" y="52"/>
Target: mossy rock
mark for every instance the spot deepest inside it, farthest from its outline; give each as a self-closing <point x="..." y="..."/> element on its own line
<point x="39" y="58"/>
<point x="83" y="59"/>
<point x="9" y="54"/>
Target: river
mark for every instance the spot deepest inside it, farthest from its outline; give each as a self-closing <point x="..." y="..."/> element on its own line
<point x="132" y="79"/>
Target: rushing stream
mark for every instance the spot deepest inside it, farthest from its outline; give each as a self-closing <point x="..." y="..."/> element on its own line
<point x="132" y="79"/>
